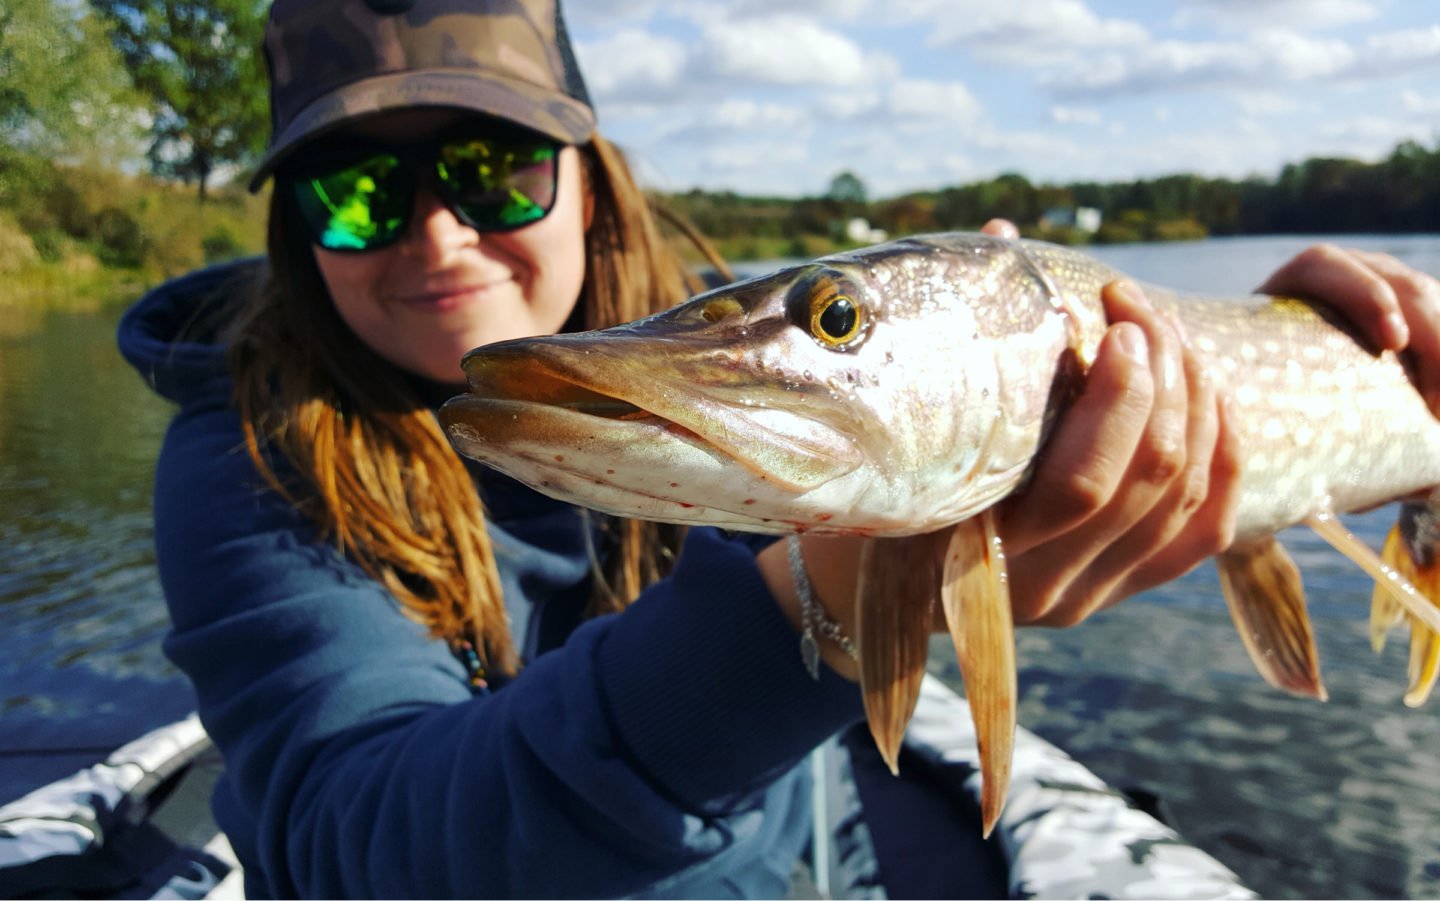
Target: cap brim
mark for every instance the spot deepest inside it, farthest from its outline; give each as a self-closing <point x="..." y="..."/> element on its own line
<point x="543" y="109"/>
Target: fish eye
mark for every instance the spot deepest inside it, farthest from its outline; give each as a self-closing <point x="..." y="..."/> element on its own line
<point x="827" y="304"/>
<point x="834" y="319"/>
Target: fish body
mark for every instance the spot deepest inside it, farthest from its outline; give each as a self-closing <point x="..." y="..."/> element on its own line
<point x="901" y="391"/>
<point x="729" y="410"/>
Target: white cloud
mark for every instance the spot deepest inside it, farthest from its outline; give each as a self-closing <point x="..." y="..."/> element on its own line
<point x="1306" y="15"/>
<point x="1415" y="102"/>
<point x="955" y="168"/>
<point x="731" y="122"/>
<point x="1265" y="103"/>
<point x="1267" y="57"/>
<point x="1399" y="51"/>
<point x="1025" y="144"/>
<point x="1272" y="57"/>
<point x="1294" y="57"/>
<point x="849" y="104"/>
<point x="1075" y="115"/>
<point x="748" y="115"/>
<point x="749" y="156"/>
<point x="942" y="104"/>
<point x="784" y="50"/>
<point x="608" y="12"/>
<point x="830" y="10"/>
<point x="1018" y="31"/>
<point x="945" y="102"/>
<point x="631" y="64"/>
<point x="776" y="167"/>
<point x="1369" y="137"/>
<point x="1237" y="147"/>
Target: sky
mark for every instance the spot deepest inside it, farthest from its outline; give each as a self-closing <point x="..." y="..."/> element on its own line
<point x="776" y="97"/>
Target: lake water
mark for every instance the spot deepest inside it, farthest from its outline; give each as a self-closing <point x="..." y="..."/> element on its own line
<point x="1302" y="799"/>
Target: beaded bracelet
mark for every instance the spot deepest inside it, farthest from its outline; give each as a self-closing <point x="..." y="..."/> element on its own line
<point x="812" y="615"/>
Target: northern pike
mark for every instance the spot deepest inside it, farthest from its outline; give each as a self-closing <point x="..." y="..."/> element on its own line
<point x="899" y="392"/>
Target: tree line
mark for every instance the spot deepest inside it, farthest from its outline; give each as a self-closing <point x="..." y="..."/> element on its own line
<point x="1400" y="193"/>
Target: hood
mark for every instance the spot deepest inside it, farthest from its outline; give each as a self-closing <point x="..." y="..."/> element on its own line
<point x="180" y="367"/>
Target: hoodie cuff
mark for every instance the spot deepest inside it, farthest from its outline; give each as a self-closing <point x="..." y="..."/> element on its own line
<point x="705" y="682"/>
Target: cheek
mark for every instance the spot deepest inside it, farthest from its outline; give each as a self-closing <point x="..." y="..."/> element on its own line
<point x="559" y="241"/>
<point x="350" y="279"/>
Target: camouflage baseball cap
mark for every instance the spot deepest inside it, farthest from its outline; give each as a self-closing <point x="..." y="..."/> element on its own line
<point x="334" y="61"/>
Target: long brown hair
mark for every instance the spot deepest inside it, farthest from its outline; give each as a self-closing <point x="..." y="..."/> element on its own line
<point x="372" y="468"/>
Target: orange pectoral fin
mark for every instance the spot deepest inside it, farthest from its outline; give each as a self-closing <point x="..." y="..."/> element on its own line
<point x="1408" y="572"/>
<point x="975" y="594"/>
<point x="1267" y="602"/>
<point x="899" y="581"/>
<point x="1386" y="612"/>
<point x="1412" y="551"/>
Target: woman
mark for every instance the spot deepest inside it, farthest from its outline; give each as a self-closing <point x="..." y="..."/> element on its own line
<point x="354" y="602"/>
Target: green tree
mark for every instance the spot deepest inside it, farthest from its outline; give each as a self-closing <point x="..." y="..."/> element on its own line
<point x="1008" y="196"/>
<point x="198" y="64"/>
<point x="63" y="89"/>
<point x="846" y="188"/>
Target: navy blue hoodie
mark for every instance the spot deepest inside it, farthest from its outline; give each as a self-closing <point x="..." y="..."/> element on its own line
<point x="651" y="752"/>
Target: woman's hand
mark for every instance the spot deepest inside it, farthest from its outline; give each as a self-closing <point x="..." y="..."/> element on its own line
<point x="1394" y="306"/>
<point x="1140" y="481"/>
<point x="1138" y="484"/>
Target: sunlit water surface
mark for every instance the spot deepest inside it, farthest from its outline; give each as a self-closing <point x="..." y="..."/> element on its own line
<point x="1302" y="799"/>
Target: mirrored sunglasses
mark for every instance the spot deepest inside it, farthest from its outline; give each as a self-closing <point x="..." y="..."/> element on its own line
<point x="361" y="197"/>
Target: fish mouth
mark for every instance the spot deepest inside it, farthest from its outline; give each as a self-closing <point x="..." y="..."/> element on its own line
<point x="587" y="407"/>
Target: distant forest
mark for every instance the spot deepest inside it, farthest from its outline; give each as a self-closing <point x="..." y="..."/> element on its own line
<point x="1399" y="194"/>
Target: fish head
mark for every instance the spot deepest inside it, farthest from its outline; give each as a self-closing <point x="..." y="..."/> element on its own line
<point x="828" y="396"/>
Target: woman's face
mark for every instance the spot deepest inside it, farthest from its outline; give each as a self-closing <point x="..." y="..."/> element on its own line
<point x="444" y="288"/>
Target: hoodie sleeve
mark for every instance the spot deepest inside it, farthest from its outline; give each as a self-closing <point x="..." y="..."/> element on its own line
<point x="358" y="763"/>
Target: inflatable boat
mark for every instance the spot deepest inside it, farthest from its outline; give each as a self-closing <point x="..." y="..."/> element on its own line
<point x="138" y="825"/>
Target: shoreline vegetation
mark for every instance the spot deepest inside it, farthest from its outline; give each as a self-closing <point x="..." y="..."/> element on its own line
<point x="78" y="237"/>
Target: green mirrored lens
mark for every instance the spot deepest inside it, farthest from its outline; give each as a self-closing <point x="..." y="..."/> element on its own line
<point x="358" y="206"/>
<point x="499" y="183"/>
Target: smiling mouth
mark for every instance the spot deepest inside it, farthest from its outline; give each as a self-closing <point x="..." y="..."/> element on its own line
<point x="452" y="295"/>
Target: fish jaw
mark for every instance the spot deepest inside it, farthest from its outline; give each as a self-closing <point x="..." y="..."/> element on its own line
<point x="562" y="413"/>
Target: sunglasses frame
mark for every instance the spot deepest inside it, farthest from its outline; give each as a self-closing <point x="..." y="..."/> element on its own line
<point x="419" y="162"/>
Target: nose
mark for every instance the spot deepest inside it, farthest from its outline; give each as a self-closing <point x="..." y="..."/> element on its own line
<point x="434" y="231"/>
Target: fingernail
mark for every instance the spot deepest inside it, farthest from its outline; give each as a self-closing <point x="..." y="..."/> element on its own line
<point x="1002" y="228"/>
<point x="1132" y="341"/>
<point x="1131" y="292"/>
<point x="1399" y="331"/>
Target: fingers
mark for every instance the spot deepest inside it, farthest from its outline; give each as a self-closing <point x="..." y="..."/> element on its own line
<point x="1087" y="456"/>
<point x="1000" y="228"/>
<point x="1418" y="296"/>
<point x="1149" y="542"/>
<point x="1211" y="528"/>
<point x="1120" y="453"/>
<point x="1393" y="305"/>
<point x="1343" y="281"/>
<point x="1174" y="540"/>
